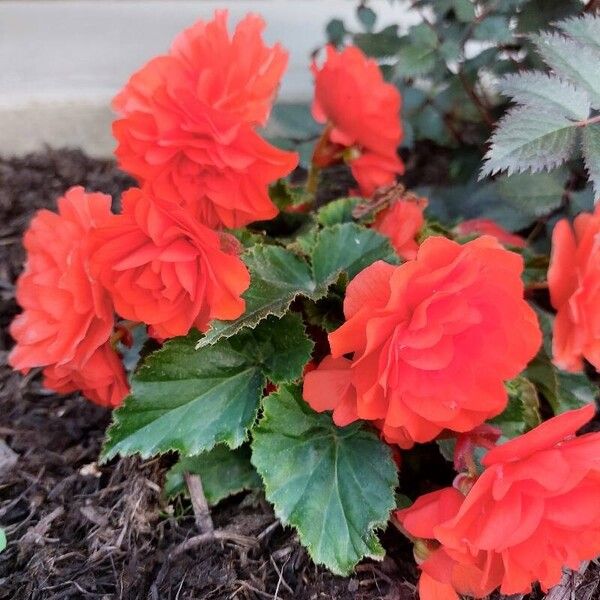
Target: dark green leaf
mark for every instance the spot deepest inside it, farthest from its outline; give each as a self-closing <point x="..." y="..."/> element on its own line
<point x="523" y="410"/>
<point x="223" y="472"/>
<point x="379" y="45"/>
<point x="187" y="400"/>
<point x="336" y="31"/>
<point x="348" y="248"/>
<point x="338" y="211"/>
<point x="367" y="17"/>
<point x="495" y="28"/>
<point x="563" y="391"/>
<point x="534" y="194"/>
<point x="280" y="346"/>
<point x="334" y="485"/>
<point x="292" y="120"/>
<point x="277" y="276"/>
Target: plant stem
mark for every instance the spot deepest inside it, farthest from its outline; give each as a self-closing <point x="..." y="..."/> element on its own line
<point x="219" y="534"/>
<point x="199" y="503"/>
<point x="590" y="121"/>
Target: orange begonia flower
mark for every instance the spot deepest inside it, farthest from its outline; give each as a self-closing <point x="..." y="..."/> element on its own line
<point x="445" y="572"/>
<point x="66" y="314"/>
<point x="188" y="118"/>
<point x="432" y="341"/>
<point x="574" y="281"/>
<point x="488" y="227"/>
<point x="165" y="269"/>
<point x="401" y="223"/>
<point x="533" y="512"/>
<point x="363" y="116"/>
<point x="101" y="379"/>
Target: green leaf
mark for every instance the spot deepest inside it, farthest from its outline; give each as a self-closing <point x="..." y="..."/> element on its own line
<point x="591" y="154"/>
<point x="348" y="248"/>
<point x="334" y="485"/>
<point x="223" y="471"/>
<point x="528" y="139"/>
<point x="336" y="31"/>
<point x="495" y="28"/>
<point x="187" y="400"/>
<point x="564" y="391"/>
<point x="572" y="61"/>
<point x="277" y="276"/>
<point x="464" y="10"/>
<point x="543" y="92"/>
<point x="523" y="410"/>
<point x="338" y="211"/>
<point x="281" y="347"/>
<point x="535" y="194"/>
<point x="537" y="14"/>
<point x="190" y="400"/>
<point x="285" y="195"/>
<point x="379" y="45"/>
<point x="292" y="120"/>
<point x="585" y="30"/>
<point x="415" y="60"/>
<point x="2" y="539"/>
<point x="366" y="16"/>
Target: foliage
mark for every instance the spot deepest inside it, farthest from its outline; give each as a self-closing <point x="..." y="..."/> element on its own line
<point x="554" y="116"/>
<point x="223" y="472"/>
<point x="335" y="485"/>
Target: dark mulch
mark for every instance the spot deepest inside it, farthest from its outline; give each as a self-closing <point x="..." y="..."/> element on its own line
<point x="80" y="530"/>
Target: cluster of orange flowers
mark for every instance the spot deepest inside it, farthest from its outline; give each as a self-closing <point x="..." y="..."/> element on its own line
<point x="426" y="346"/>
<point x="187" y="132"/>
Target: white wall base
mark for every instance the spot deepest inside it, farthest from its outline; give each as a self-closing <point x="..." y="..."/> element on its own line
<point x="61" y="61"/>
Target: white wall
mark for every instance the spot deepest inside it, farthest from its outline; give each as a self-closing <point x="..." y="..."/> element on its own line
<point x="61" y="61"/>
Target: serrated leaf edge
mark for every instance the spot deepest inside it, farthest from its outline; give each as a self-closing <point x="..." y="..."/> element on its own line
<point x="371" y="538"/>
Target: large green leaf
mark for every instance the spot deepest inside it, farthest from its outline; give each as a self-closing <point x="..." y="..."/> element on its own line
<point x="279" y="345"/>
<point x="348" y="248"/>
<point x="335" y="485"/>
<point x="223" y="472"/>
<point x="591" y="154"/>
<point x="189" y="400"/>
<point x="277" y="276"/>
<point x="546" y="92"/>
<point x="529" y="139"/>
<point x="572" y="61"/>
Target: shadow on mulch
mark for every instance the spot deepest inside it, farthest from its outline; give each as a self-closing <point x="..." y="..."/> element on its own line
<point x="79" y="530"/>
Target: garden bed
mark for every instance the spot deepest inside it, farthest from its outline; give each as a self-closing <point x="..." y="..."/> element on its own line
<point x="79" y="530"/>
